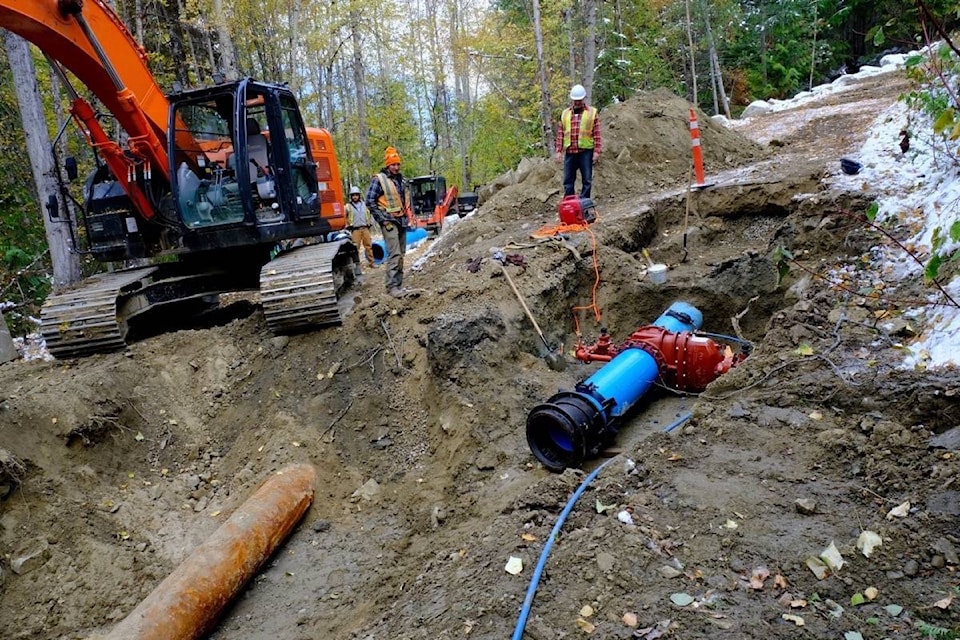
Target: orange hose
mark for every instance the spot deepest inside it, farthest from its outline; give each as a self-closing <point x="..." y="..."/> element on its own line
<point x="596" y="284"/>
<point x="188" y="602"/>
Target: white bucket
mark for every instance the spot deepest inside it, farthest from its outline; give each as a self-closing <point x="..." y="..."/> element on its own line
<point x="657" y="273"/>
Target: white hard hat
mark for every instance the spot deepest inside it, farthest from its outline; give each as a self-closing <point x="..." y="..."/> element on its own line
<point x="578" y="92"/>
<point x="355" y="190"/>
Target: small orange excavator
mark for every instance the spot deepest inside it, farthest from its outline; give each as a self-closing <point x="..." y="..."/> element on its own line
<point x="430" y="202"/>
<point x="209" y="182"/>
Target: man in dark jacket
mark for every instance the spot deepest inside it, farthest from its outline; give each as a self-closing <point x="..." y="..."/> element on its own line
<point x="388" y="201"/>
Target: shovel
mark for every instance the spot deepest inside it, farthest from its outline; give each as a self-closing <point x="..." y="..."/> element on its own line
<point x="554" y="361"/>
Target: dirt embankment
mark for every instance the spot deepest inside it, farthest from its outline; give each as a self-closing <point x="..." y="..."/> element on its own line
<point x="413" y="413"/>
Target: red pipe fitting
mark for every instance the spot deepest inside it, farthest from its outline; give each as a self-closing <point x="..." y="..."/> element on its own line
<point x="685" y="361"/>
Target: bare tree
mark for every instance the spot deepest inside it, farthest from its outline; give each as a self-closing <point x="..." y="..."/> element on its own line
<point x="693" y="56"/>
<point x="462" y="97"/>
<point x="228" y="54"/>
<point x="571" y="41"/>
<point x="547" y="121"/>
<point x="359" y="83"/>
<point x="590" y="48"/>
<point x="66" y="266"/>
<point x="714" y="61"/>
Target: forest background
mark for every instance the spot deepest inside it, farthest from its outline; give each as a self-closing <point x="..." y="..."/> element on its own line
<point x="464" y="88"/>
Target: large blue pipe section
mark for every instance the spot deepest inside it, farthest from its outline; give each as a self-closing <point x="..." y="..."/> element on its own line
<point x="380" y="248"/>
<point x="573" y="425"/>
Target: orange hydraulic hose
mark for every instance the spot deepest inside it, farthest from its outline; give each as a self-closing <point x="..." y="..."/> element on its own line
<point x="187" y="603"/>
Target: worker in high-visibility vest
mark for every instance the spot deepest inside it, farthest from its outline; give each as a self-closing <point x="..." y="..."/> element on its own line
<point x="388" y="201"/>
<point x="578" y="142"/>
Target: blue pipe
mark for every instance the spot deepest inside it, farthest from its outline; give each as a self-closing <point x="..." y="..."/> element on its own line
<point x="380" y="247"/>
<point x="573" y="425"/>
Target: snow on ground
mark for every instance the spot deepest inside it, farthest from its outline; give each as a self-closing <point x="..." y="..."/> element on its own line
<point x="919" y="190"/>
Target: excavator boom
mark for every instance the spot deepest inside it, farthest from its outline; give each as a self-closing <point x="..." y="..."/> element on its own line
<point x="89" y="39"/>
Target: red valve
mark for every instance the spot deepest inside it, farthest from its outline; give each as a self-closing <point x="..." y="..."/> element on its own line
<point x="685" y="361"/>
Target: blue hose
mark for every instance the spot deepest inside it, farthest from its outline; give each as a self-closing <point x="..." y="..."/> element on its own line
<point x="676" y="423"/>
<point x="542" y="562"/>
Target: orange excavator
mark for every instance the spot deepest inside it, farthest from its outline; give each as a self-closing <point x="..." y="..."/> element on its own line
<point x="431" y="202"/>
<point x="208" y="183"/>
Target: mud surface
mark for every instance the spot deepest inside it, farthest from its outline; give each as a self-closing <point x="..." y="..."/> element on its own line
<point x="114" y="467"/>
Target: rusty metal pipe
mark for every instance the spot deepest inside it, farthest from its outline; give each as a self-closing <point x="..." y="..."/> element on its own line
<point x="188" y="602"/>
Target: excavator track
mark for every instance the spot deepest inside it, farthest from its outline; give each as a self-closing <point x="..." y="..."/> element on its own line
<point x="299" y="289"/>
<point x="85" y="320"/>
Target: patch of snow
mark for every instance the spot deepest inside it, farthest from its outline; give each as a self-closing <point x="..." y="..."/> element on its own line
<point x="32" y="347"/>
<point x="920" y="191"/>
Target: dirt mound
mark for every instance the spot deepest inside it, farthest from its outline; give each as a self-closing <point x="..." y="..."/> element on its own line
<point x="413" y="414"/>
<point x="646" y="142"/>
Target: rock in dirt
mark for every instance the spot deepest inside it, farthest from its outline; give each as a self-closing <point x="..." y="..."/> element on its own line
<point x="369" y="491"/>
<point x="8" y="352"/>
<point x="605" y="562"/>
<point x="946" y="548"/>
<point x="29" y="557"/>
<point x="806" y="506"/>
<point x="947" y="503"/>
<point x="911" y="568"/>
<point x="669" y="572"/>
<point x="947" y="440"/>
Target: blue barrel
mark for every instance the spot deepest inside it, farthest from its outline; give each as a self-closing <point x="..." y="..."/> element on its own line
<point x="380" y="247"/>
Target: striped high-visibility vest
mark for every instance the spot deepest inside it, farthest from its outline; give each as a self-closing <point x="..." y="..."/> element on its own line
<point x="390" y="201"/>
<point x="587" y="118"/>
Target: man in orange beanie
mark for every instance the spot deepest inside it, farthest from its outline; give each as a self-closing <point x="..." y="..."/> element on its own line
<point x="388" y="201"/>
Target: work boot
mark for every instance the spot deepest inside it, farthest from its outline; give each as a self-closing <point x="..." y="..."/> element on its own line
<point x="396" y="292"/>
<point x="356" y="270"/>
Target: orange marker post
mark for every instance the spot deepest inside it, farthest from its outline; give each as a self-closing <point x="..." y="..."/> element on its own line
<point x="695" y="147"/>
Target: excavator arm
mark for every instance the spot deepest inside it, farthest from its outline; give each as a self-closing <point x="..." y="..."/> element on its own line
<point x="87" y="38"/>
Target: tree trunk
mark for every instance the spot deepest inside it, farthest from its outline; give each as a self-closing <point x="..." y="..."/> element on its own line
<point x="590" y="49"/>
<point x="138" y="19"/>
<point x="545" y="109"/>
<point x="813" y="51"/>
<point x="194" y="62"/>
<point x="169" y="20"/>
<point x="363" y="129"/>
<point x="291" y="75"/>
<point x="571" y="42"/>
<point x="714" y="60"/>
<point x="66" y="266"/>
<point x="714" y="81"/>
<point x="463" y="107"/>
<point x="228" y="54"/>
<point x="693" y="57"/>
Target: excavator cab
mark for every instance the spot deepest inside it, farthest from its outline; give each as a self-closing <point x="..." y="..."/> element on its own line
<point x="242" y="157"/>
